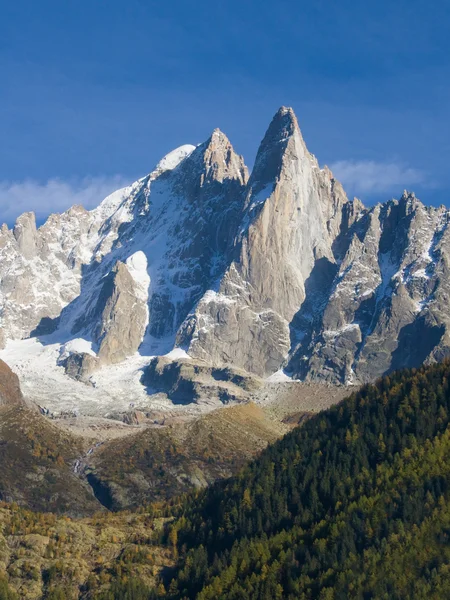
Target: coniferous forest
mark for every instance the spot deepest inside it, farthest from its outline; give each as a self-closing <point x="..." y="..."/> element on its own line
<point x="354" y="504"/>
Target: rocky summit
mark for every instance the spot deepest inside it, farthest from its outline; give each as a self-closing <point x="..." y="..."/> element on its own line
<point x="273" y="275"/>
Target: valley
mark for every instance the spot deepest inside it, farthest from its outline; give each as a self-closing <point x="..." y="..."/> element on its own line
<point x="87" y="464"/>
<point x="353" y="501"/>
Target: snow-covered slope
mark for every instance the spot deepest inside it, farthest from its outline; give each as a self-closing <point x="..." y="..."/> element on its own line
<point x="277" y="274"/>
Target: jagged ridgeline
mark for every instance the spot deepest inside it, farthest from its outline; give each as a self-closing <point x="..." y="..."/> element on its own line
<point x="354" y="504"/>
<point x="276" y="270"/>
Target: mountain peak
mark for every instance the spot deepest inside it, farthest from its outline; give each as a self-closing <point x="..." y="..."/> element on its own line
<point x="218" y="133"/>
<point x="220" y="159"/>
<point x="218" y="139"/>
<point x="408" y="196"/>
<point x="409" y="201"/>
<point x="25" y="233"/>
<point x="284" y="122"/>
<point x="283" y="133"/>
<point x="285" y="111"/>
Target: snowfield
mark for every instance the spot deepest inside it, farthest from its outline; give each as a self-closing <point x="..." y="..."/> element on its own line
<point x="116" y="389"/>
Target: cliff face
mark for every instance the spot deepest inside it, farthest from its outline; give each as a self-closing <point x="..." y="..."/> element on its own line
<point x="387" y="304"/>
<point x="290" y="220"/>
<point x="10" y="393"/>
<point x="274" y="271"/>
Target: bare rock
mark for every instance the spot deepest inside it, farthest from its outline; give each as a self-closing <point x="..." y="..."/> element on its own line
<point x="291" y="218"/>
<point x="134" y="417"/>
<point x="80" y="366"/>
<point x="10" y="392"/>
<point x="124" y="316"/>
<point x="25" y="233"/>
<point x="187" y="381"/>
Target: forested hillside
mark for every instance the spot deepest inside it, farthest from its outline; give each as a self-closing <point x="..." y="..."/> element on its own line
<point x="354" y="504"/>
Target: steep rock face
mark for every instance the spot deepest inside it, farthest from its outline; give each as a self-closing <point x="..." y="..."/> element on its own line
<point x="291" y="217"/>
<point x="25" y="234"/>
<point x="10" y="392"/>
<point x="124" y="315"/>
<point x="116" y="319"/>
<point x="387" y="307"/>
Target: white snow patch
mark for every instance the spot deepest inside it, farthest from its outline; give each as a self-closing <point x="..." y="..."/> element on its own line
<point x="177" y="353"/>
<point x="332" y="333"/>
<point x="115" y="388"/>
<point x="173" y="159"/>
<point x="368" y="292"/>
<point x="137" y="267"/>
<point x="421" y="273"/>
<point x="261" y="196"/>
<point x="76" y="346"/>
<point x="212" y="296"/>
<point x="280" y="375"/>
<point x="388" y="272"/>
<point x="111" y="203"/>
<point x="350" y="378"/>
<point x="422" y="304"/>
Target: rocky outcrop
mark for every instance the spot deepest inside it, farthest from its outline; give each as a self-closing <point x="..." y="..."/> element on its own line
<point x="386" y="309"/>
<point x="122" y="306"/>
<point x="134" y="417"/>
<point x="117" y="321"/>
<point x="25" y="234"/>
<point x="187" y="381"/>
<point x="80" y="366"/>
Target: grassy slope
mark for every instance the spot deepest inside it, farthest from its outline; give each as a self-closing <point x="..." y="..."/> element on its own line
<point x="157" y="464"/>
<point x="36" y="460"/>
<point x="152" y="464"/>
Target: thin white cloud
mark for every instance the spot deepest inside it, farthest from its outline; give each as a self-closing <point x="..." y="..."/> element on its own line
<point x="55" y="195"/>
<point x="368" y="176"/>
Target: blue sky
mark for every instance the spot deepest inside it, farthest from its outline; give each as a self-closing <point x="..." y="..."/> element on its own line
<point x="93" y="93"/>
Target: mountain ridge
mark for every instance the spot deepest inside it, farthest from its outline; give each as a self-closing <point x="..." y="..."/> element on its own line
<point x="275" y="271"/>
